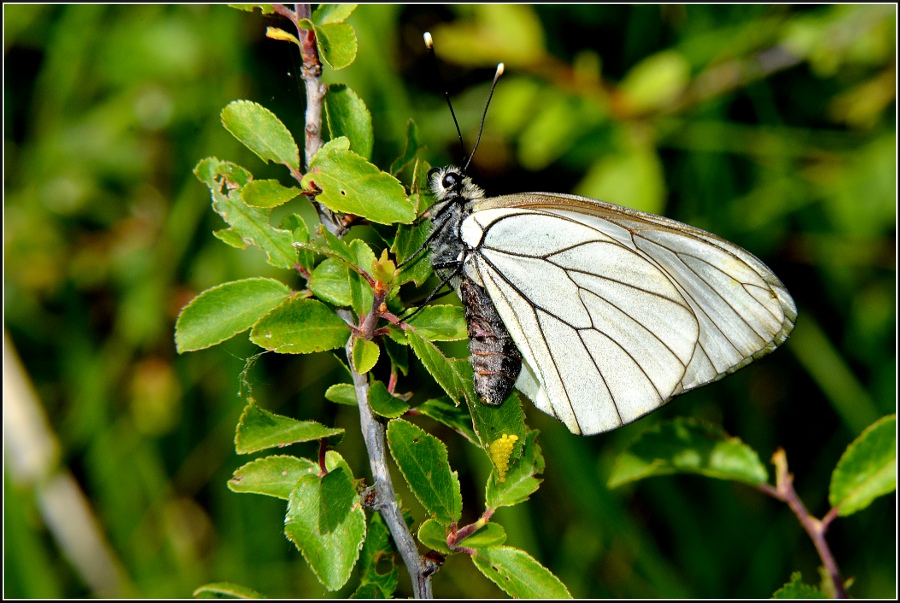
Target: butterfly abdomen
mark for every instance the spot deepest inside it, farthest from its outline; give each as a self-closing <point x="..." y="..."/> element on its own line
<point x="496" y="361"/>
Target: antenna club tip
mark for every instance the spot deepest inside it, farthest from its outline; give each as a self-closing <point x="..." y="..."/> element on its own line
<point x="500" y="69"/>
<point x="428" y="41"/>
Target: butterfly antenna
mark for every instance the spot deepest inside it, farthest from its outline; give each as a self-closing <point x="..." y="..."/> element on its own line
<point x="484" y="115"/>
<point x="429" y="43"/>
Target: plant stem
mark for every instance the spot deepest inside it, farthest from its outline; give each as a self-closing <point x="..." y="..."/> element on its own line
<point x="784" y="491"/>
<point x="386" y="499"/>
<point x="372" y="429"/>
<point x="311" y="73"/>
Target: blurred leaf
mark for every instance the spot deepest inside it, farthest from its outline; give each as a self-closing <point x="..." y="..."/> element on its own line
<point x="632" y="177"/>
<point x="518" y="574"/>
<point x="226" y="590"/>
<point x="224" y="311"/>
<point x="271" y="475"/>
<point x="327" y="523"/>
<point x="656" y="82"/>
<point x="261" y="132"/>
<point x="348" y="116"/>
<point x="688" y="446"/>
<point x="510" y="33"/>
<point x="795" y="589"/>
<point x="259" y="429"/>
<point x="300" y="326"/>
<point x="422" y="459"/>
<point x="868" y="468"/>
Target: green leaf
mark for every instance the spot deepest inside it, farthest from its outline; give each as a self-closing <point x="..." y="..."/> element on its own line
<point x="224" y="311"/>
<point x="491" y="534"/>
<point x="520" y="482"/>
<point x="454" y="417"/>
<point x="422" y="459"/>
<point x="271" y="475"/>
<point x="383" y="403"/>
<point x="348" y="116"/>
<point x="444" y="370"/>
<point x="330" y="281"/>
<point x="225" y="590"/>
<point x="361" y="294"/>
<point x="332" y="13"/>
<point x="232" y="238"/>
<point x="297" y="226"/>
<point x="409" y="151"/>
<point x="409" y="240"/>
<point x="364" y="355"/>
<point x="341" y="393"/>
<point x="433" y="535"/>
<point x="518" y="574"/>
<point x="378" y="551"/>
<point x="327" y="523"/>
<point x="300" y="326"/>
<point x="867" y="469"/>
<point x="250" y="225"/>
<point x="398" y="353"/>
<point x="493" y="422"/>
<point x="337" y="44"/>
<point x="267" y="193"/>
<point x="688" y="446"/>
<point x="259" y="429"/>
<point x="440" y="323"/>
<point x="261" y="132"/>
<point x="350" y="184"/>
<point x="795" y="589"/>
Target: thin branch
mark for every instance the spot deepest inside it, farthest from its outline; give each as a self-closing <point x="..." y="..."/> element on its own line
<point x="311" y="73"/>
<point x="372" y="429"/>
<point x="385" y="498"/>
<point x="784" y="491"/>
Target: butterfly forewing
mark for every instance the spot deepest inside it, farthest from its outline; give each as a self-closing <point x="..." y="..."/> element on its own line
<point x="615" y="311"/>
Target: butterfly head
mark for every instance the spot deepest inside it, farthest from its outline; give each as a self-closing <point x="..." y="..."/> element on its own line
<point x="450" y="182"/>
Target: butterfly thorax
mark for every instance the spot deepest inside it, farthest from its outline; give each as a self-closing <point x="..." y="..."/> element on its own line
<point x="455" y="194"/>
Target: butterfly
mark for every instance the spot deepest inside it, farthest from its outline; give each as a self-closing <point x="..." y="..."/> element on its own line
<point x="598" y="313"/>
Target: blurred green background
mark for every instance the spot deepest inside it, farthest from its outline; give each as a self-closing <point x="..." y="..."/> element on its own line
<point x="772" y="126"/>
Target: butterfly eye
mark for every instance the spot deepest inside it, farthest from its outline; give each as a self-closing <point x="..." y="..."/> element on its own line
<point x="451" y="181"/>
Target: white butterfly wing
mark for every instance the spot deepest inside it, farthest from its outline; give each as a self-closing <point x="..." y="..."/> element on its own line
<point x="616" y="311"/>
